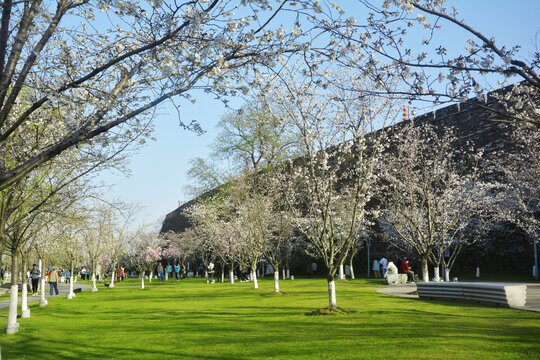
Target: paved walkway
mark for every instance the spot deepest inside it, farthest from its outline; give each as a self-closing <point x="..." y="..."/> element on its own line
<point x="63" y="289"/>
<point x="409" y="291"/>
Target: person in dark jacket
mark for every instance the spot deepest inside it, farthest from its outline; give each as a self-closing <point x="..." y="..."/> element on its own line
<point x="35" y="275"/>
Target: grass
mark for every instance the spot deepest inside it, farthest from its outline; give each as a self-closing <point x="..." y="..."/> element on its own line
<point x="194" y="320"/>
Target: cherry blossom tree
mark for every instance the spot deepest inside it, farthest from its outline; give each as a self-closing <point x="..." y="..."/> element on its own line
<point x="405" y="41"/>
<point x="431" y="192"/>
<point x="182" y="244"/>
<point x="145" y="250"/>
<point x="118" y="235"/>
<point x="120" y="60"/>
<point x="327" y="189"/>
<point x="210" y="219"/>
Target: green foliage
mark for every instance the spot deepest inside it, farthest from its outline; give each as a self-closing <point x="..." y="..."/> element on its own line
<point x="190" y="319"/>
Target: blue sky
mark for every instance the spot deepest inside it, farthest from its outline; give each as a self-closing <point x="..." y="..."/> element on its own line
<point x="158" y="171"/>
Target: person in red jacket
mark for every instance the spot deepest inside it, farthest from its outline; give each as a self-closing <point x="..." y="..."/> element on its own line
<point x="405" y="269"/>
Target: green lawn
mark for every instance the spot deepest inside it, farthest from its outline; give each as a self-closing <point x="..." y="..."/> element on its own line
<point x="193" y="320"/>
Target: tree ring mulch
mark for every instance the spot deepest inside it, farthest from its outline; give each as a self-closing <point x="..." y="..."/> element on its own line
<point x="330" y="311"/>
<point x="272" y="293"/>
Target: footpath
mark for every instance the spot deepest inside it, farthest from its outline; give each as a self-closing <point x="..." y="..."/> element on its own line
<point x="63" y="289"/>
<point x="409" y="291"/>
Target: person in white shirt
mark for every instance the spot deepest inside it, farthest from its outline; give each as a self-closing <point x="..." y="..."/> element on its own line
<point x="210" y="273"/>
<point x="384" y="264"/>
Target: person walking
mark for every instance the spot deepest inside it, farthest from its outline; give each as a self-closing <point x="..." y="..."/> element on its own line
<point x="53" y="281"/>
<point x="376" y="269"/>
<point x="177" y="271"/>
<point x="35" y="274"/>
<point x="161" y="275"/>
<point x="384" y="264"/>
<point x="169" y="271"/>
<point x="183" y="271"/>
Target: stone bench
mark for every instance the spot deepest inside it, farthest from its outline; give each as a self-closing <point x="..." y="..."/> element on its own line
<point x="394" y="279"/>
<point x="509" y="295"/>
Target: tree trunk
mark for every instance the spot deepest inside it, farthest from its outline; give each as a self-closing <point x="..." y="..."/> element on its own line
<point x="446" y="274"/>
<point x="283" y="272"/>
<point x="43" y="301"/>
<point x="113" y="275"/>
<point x="352" y="269"/>
<point x="436" y="273"/>
<point x="425" y="270"/>
<point x="288" y="274"/>
<point x="276" y="280"/>
<point x="222" y="274"/>
<point x="142" y="281"/>
<point x="254" y="277"/>
<point x="94" y="287"/>
<point x="12" y="324"/>
<point x="332" y="292"/>
<point x="25" y="310"/>
<point x="341" y="273"/>
<point x="231" y="276"/>
<point x="151" y="276"/>
<point x="71" y="294"/>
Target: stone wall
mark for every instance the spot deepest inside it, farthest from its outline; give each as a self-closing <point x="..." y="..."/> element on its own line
<point x="474" y="124"/>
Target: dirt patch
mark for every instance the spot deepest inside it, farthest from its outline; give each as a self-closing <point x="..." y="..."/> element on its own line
<point x="329" y="311"/>
<point x="272" y="293"/>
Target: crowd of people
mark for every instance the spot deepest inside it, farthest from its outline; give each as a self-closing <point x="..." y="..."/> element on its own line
<point x="381" y="268"/>
<point x="177" y="271"/>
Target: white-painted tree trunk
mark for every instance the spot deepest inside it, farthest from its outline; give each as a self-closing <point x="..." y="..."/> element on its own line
<point x="254" y="278"/>
<point x="151" y="276"/>
<point x="283" y="272"/>
<point x="43" y="301"/>
<point x="12" y="324"/>
<point x="352" y="269"/>
<point x="288" y="274"/>
<point x="71" y="294"/>
<point x="231" y="276"/>
<point x="425" y="270"/>
<point x="94" y="287"/>
<point x="276" y="281"/>
<point x="436" y="273"/>
<point x="222" y="274"/>
<point x="142" y="281"/>
<point x="446" y="274"/>
<point x="341" y="273"/>
<point x="113" y="276"/>
<point x="25" y="310"/>
<point x="166" y="275"/>
<point x="332" y="293"/>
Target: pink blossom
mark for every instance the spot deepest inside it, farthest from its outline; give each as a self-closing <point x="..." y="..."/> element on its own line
<point x="171" y="252"/>
<point x="153" y="254"/>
